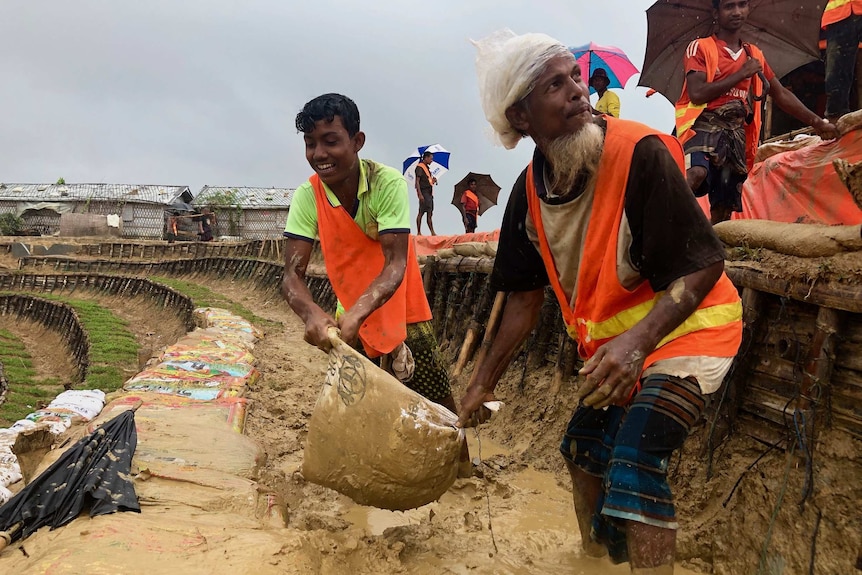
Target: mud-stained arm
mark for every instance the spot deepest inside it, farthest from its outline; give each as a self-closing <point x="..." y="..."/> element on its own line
<point x="790" y="104"/>
<point x="381" y="288"/>
<point x="295" y="291"/>
<point x="616" y="366"/>
<point x="519" y="318"/>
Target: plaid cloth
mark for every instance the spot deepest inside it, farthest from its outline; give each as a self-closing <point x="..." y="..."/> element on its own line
<point x="629" y="448"/>
<point x="721" y="134"/>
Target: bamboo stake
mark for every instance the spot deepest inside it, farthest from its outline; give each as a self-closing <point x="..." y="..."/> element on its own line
<point x="490" y="331"/>
<point x="557" y="382"/>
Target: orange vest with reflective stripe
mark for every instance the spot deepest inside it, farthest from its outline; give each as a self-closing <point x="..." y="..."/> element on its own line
<point x="837" y="10"/>
<point x="353" y="260"/>
<point x="687" y="113"/>
<point x="604" y="308"/>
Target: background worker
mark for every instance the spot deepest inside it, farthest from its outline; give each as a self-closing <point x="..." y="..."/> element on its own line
<point x="470" y="202"/>
<point x="609" y="103"/>
<point x="425" y="190"/>
<point x="842" y="28"/>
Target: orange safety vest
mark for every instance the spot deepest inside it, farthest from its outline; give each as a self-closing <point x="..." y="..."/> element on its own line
<point x="353" y="260"/>
<point x="687" y="112"/>
<point x="604" y="308"/>
<point x="470" y="197"/>
<point x="837" y="10"/>
<point x="424" y="166"/>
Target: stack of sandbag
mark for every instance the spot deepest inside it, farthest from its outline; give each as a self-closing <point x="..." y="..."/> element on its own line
<point x="800" y="240"/>
<point x="57" y="417"/>
<point x="469" y="249"/>
<point x="377" y="441"/>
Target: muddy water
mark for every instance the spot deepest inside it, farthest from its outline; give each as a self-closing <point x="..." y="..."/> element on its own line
<point x="531" y="516"/>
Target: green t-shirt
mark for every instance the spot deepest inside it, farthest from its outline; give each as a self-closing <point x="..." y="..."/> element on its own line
<point x="382" y="205"/>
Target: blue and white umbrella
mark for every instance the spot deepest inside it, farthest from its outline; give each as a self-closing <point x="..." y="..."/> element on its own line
<point x="438" y="167"/>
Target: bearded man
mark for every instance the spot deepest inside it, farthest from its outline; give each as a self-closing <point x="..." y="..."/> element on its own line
<point x="604" y="215"/>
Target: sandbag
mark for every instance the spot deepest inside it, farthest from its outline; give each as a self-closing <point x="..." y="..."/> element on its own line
<point x="772" y="148"/>
<point x="470" y="249"/>
<point x="377" y="441"/>
<point x="445" y="253"/>
<point x="801" y="240"/>
<point x="849" y="122"/>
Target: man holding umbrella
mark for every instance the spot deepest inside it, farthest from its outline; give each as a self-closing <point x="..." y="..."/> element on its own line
<point x="609" y="103"/>
<point x="470" y="201"/>
<point x="425" y="190"/>
<point x="718" y="115"/>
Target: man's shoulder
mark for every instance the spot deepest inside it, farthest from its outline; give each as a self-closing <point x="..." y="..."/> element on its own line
<point x="303" y="191"/>
<point x="630" y="129"/>
<point x="381" y="172"/>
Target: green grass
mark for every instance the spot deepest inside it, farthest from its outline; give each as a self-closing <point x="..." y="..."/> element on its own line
<point x="204" y="297"/>
<point x="113" y="348"/>
<point x="26" y="393"/>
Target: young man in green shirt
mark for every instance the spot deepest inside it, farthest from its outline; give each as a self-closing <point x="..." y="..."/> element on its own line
<point x="359" y="209"/>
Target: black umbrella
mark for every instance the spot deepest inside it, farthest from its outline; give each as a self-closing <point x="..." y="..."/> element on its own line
<point x="786" y="30"/>
<point x="486" y="189"/>
<point x="93" y="474"/>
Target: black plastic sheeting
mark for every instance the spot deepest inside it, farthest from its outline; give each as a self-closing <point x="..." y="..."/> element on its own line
<point x="94" y="474"/>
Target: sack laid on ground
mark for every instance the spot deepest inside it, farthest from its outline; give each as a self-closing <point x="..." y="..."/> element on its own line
<point x="470" y="249"/>
<point x="377" y="441"/>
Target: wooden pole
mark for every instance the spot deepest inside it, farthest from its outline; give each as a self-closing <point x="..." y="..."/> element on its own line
<point x="490" y="330"/>
<point x="559" y="375"/>
<point x="815" y="388"/>
<point x="471" y="338"/>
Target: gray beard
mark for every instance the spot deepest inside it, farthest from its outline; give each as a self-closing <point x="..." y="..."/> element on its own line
<point x="574" y="156"/>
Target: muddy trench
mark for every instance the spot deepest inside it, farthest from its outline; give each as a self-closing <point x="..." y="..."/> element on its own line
<point x="744" y="513"/>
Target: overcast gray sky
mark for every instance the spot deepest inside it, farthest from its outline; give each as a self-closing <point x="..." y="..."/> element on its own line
<point x="197" y="92"/>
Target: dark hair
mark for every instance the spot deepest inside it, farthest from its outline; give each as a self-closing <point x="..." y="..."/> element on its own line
<point x="327" y="107"/>
<point x="716" y="4"/>
<point x="426" y="154"/>
<point x="471" y="181"/>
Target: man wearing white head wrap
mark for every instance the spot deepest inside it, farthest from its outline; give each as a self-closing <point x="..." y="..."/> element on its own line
<point x="507" y="66"/>
<point x="604" y="215"/>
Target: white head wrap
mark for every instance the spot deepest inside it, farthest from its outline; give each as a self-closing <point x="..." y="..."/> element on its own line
<point x="507" y="66"/>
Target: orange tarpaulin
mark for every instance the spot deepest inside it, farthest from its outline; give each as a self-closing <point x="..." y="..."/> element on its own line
<point x="428" y="245"/>
<point x="802" y="186"/>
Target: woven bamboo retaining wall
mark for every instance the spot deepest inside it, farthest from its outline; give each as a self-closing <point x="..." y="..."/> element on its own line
<point x="261" y="249"/>
<point x="105" y="284"/>
<point x="56" y="316"/>
<point x="263" y="274"/>
<point x="800" y="349"/>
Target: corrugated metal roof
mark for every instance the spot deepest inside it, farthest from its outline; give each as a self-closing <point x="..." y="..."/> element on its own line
<point x="95" y="192"/>
<point x="245" y="197"/>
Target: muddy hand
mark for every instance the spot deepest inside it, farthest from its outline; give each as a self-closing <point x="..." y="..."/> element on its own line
<point x="473" y="411"/>
<point x="349" y="329"/>
<point x="826" y="130"/>
<point x="316" y="331"/>
<point x="610" y="374"/>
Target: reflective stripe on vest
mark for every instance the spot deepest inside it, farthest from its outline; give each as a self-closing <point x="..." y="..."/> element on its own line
<point x="704" y="318"/>
<point x="837" y="10"/>
<point x="603" y="308"/>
